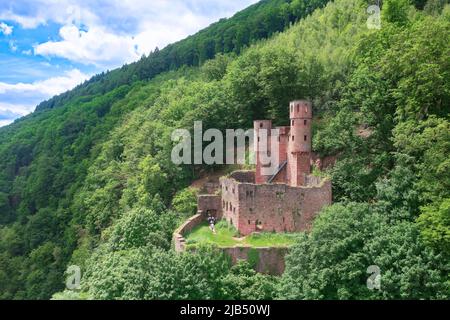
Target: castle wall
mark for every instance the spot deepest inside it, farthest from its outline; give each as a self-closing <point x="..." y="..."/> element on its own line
<point x="268" y="260"/>
<point x="245" y="176"/>
<point x="301" y="121"/>
<point x="272" y="207"/>
<point x="299" y="168"/>
<point x="283" y="143"/>
<point x="178" y="239"/>
<point x="230" y="201"/>
<point x="281" y="177"/>
<point x="209" y="204"/>
<point x="258" y="141"/>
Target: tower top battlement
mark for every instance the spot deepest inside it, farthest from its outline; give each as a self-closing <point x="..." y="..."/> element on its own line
<point x="300" y="109"/>
<point x="293" y="150"/>
<point x="262" y="124"/>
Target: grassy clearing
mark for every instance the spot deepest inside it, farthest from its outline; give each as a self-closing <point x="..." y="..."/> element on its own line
<point x="226" y="237"/>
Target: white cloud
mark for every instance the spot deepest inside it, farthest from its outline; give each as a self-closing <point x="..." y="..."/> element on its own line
<point x="48" y="87"/>
<point x="104" y="33"/>
<point x="13" y="46"/>
<point x="95" y="46"/>
<point x="5" y="122"/>
<point x="109" y="33"/>
<point x="30" y="14"/>
<point x="10" y="111"/>
<point x="32" y="93"/>
<point x="5" y="29"/>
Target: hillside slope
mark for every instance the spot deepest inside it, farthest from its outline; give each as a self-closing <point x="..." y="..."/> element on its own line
<point x="91" y="183"/>
<point x="259" y="21"/>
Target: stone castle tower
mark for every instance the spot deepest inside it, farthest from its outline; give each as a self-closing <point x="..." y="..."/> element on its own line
<point x="294" y="151"/>
<point x="286" y="199"/>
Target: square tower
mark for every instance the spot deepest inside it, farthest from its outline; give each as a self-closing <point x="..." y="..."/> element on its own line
<point x="261" y="127"/>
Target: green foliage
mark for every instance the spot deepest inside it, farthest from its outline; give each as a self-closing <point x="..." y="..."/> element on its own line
<point x="116" y="275"/>
<point x="185" y="202"/>
<point x="44" y="270"/>
<point x="259" y="21"/>
<point x="428" y="143"/>
<point x="434" y="7"/>
<point x="331" y="262"/>
<point x="395" y="11"/>
<point x="162" y="275"/>
<point x="243" y="283"/>
<point x="434" y="223"/>
<point x="88" y="178"/>
<point x="397" y="198"/>
<point x="142" y="227"/>
<point x="69" y="295"/>
<point x="217" y="68"/>
<point x="253" y="257"/>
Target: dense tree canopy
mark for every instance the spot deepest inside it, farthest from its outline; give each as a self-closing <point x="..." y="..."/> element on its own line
<point x="91" y="182"/>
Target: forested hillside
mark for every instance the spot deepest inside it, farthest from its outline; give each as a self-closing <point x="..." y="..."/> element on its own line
<point x="91" y="183"/>
<point x="258" y="21"/>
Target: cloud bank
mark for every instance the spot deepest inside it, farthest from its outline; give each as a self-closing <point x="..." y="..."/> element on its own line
<point x="19" y="99"/>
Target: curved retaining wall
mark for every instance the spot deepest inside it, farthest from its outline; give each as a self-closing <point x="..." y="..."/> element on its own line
<point x="178" y="236"/>
<point x="268" y="260"/>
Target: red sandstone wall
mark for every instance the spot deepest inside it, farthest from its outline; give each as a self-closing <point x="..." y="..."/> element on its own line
<point x="178" y="236"/>
<point x="230" y="201"/>
<point x="257" y="125"/>
<point x="281" y="176"/>
<point x="272" y="207"/>
<point x="299" y="168"/>
<point x="270" y="260"/>
<point x="209" y="203"/>
<point x="246" y="176"/>
<point x="283" y="147"/>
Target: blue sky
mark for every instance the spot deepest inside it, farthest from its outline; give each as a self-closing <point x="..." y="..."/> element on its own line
<point x="48" y="47"/>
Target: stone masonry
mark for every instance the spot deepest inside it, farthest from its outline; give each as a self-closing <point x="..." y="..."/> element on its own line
<point x="287" y="201"/>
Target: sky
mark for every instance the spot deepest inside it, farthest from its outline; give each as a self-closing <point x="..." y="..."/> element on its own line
<point x="49" y="46"/>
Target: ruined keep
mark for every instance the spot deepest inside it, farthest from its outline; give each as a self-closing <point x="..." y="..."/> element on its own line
<point x="285" y="201"/>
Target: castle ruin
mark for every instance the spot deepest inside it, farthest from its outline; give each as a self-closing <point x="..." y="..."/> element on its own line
<point x="285" y="201"/>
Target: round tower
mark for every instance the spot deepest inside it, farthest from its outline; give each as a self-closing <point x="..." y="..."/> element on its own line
<point x="301" y="119"/>
<point x="299" y="148"/>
